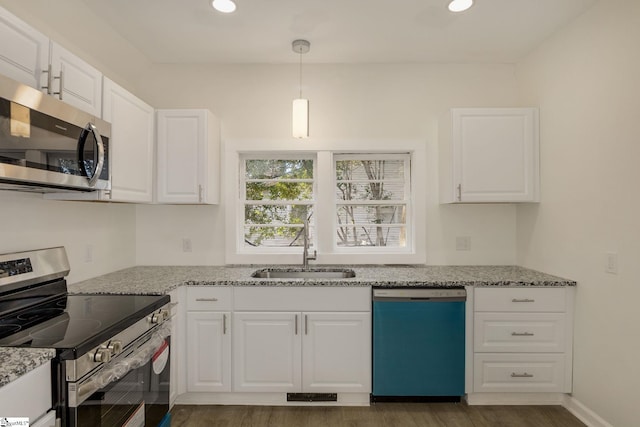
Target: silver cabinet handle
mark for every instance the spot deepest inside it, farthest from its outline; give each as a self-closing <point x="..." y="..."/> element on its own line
<point x="306" y="324"/>
<point x="296" y="322"/>
<point x="459" y="192"/>
<point x="523" y="375"/>
<point x="200" y="193"/>
<point x="521" y="334"/>
<point x="206" y="299"/>
<point x="61" y="90"/>
<point x="224" y="324"/>
<point x="523" y="300"/>
<point x="49" y="80"/>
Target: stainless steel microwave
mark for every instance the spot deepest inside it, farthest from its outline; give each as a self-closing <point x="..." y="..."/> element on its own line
<point x="49" y="146"/>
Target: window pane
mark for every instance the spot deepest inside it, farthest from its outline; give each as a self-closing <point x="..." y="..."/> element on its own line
<point x="279" y="169"/>
<point x="276" y="214"/>
<point x="367" y="214"/>
<point x="370" y="169"/>
<point x="376" y="236"/>
<point x="370" y="191"/>
<point x="276" y="237"/>
<point x="281" y="190"/>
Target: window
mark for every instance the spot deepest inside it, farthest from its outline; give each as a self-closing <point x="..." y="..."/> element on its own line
<point x="372" y="195"/>
<point x="360" y="207"/>
<point x="277" y="193"/>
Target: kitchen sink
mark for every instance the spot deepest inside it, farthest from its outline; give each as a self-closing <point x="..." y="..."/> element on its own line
<point x="304" y="274"/>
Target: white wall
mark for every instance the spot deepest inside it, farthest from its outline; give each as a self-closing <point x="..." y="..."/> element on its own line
<point x="585" y="80"/>
<point x="348" y="102"/>
<point x="29" y="222"/>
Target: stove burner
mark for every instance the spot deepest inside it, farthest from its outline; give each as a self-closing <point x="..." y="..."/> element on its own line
<point x="9" y="329"/>
<point x="39" y="313"/>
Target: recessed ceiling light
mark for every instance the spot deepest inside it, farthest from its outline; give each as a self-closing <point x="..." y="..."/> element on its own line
<point x="224" y="6"/>
<point x="460" y="5"/>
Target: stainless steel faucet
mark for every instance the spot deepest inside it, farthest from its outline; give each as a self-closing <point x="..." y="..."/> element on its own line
<point x="305" y="252"/>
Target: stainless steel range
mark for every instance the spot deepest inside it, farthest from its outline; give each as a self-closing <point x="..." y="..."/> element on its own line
<point x="112" y="351"/>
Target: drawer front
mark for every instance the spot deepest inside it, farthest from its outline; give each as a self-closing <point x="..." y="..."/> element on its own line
<point x="519" y="332"/>
<point x="209" y="298"/>
<point x="300" y="298"/>
<point x="519" y="373"/>
<point x="525" y="299"/>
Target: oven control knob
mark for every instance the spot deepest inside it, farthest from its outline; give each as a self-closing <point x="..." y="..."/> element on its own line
<point x="165" y="313"/>
<point x="115" y="347"/>
<point x="102" y="355"/>
<point x="156" y="318"/>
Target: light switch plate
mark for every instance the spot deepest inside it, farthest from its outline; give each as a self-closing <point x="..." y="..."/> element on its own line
<point x="463" y="243"/>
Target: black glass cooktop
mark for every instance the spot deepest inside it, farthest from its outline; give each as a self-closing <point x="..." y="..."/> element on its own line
<point x="76" y="322"/>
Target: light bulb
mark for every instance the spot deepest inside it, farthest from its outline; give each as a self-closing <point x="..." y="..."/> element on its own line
<point x="460" y="5"/>
<point x="224" y="6"/>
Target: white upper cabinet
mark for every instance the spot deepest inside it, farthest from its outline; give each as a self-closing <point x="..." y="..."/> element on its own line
<point x="24" y="52"/>
<point x="494" y="156"/>
<point x="188" y="157"/>
<point x="131" y="144"/>
<point x="75" y="82"/>
<point x="30" y="57"/>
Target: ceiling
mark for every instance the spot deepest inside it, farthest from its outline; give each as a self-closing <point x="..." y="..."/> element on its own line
<point x="340" y="31"/>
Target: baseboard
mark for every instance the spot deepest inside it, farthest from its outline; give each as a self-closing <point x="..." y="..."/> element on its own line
<point x="266" y="399"/>
<point x="584" y="414"/>
<point x="515" y="398"/>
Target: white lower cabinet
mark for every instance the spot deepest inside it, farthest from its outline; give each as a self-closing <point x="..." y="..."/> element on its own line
<point x="267" y="351"/>
<point x="209" y="355"/>
<point x="311" y="352"/>
<point x="522" y="339"/>
<point x="336" y="352"/>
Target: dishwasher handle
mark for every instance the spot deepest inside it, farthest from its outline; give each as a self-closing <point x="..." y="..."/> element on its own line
<point x="420" y="294"/>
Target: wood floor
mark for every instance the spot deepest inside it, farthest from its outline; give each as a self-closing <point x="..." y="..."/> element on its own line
<point x="376" y="415"/>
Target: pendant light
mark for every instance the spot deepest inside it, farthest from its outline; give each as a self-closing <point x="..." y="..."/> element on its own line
<point x="300" y="118"/>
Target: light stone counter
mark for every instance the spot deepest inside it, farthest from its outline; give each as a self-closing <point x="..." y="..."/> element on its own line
<point x="160" y="280"/>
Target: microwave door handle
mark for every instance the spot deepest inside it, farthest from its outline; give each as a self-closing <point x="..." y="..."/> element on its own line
<point x="90" y="127"/>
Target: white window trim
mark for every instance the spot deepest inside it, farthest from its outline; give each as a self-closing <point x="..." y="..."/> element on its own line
<point x="406" y="157"/>
<point x="241" y="196"/>
<point x="418" y="148"/>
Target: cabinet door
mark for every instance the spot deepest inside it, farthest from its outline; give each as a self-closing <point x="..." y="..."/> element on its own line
<point x="24" y="52"/>
<point x="336" y="352"/>
<point x="267" y="352"/>
<point x="79" y="84"/>
<point x="208" y="351"/>
<point x="131" y="144"/>
<point x="188" y="157"/>
<point x="495" y="154"/>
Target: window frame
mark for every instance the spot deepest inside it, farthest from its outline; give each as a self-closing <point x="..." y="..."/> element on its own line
<point x="407" y="201"/>
<point x="242" y="201"/>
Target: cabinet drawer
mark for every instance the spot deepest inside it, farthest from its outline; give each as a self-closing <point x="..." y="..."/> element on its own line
<point x="525" y="299"/>
<point x="519" y="332"/>
<point x="300" y="298"/>
<point x="519" y="373"/>
<point x="208" y="298"/>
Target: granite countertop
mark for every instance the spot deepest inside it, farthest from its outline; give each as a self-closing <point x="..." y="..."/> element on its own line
<point x="163" y="279"/>
<point x="15" y="362"/>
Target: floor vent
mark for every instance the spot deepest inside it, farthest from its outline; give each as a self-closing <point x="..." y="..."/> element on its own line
<point x="312" y="397"/>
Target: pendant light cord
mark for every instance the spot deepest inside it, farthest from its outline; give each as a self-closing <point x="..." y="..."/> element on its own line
<point x="300" y="72"/>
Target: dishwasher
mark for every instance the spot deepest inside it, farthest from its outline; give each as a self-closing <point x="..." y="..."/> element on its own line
<point x="418" y="344"/>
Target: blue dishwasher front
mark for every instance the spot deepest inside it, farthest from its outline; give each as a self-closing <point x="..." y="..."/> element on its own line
<point x="418" y="342"/>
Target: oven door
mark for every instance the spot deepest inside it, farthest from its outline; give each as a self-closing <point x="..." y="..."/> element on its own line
<point x="130" y="391"/>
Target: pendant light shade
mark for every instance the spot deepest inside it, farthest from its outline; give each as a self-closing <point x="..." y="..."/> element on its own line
<point x="300" y="116"/>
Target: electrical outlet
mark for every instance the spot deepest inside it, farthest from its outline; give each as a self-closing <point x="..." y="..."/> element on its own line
<point x="611" y="263"/>
<point x="463" y="243"/>
<point x="88" y="253"/>
<point x="186" y="244"/>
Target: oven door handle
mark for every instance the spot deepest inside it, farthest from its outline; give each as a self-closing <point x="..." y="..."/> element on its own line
<point x="81" y="391"/>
